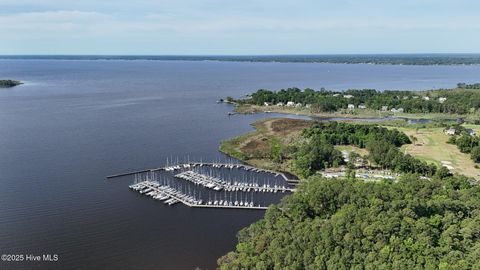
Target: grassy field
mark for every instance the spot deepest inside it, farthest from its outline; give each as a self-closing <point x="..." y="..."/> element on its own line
<point x="432" y="147"/>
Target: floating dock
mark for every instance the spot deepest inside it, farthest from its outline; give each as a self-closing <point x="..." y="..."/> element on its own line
<point x="171" y="196"/>
<point x="220" y="184"/>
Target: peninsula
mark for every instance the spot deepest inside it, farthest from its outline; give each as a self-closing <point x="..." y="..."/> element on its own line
<point x="372" y="194"/>
<point x="462" y="101"/>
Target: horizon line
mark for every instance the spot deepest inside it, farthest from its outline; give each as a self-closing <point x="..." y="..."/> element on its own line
<point x="292" y="54"/>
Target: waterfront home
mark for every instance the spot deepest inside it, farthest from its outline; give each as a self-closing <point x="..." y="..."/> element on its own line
<point x="298" y="105"/>
<point x="351" y="106"/>
<point x="384" y="108"/>
<point x="308" y="106"/>
<point x="451" y="131"/>
<point x="348" y="96"/>
<point x="471" y="132"/>
<point x="442" y="99"/>
<point x="399" y="110"/>
<point x="290" y="104"/>
<point x="280" y="104"/>
<point x="362" y="106"/>
<point x="266" y="104"/>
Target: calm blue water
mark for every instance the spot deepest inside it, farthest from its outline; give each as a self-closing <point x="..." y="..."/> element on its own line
<point x="74" y="122"/>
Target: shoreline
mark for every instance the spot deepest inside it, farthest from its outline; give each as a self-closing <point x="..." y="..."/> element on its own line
<point x="261" y="133"/>
<point x="433" y="59"/>
<point x="359" y="114"/>
<point x="253" y="148"/>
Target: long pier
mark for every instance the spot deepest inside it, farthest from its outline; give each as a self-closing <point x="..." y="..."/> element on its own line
<point x="127" y="173"/>
<point x="208" y="164"/>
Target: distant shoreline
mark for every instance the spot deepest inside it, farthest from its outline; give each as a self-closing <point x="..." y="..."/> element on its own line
<point x="375" y="59"/>
<point x="364" y="114"/>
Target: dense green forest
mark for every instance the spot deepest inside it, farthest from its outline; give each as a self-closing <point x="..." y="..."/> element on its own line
<point x="9" y="83"/>
<point x="316" y="151"/>
<point x="459" y="101"/>
<point x="351" y="224"/>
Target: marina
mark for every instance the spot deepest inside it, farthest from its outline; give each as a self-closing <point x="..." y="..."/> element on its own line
<point x="227" y="185"/>
<point x="170" y="196"/>
<point x="230" y="185"/>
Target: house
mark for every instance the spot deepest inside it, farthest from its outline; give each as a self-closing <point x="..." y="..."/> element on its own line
<point x="308" y="106"/>
<point x="336" y="95"/>
<point x="266" y="104"/>
<point x="399" y="110"/>
<point x="280" y="104"/>
<point x="426" y="98"/>
<point x="290" y="104"/>
<point x="405" y="97"/>
<point x="351" y="106"/>
<point x="471" y="132"/>
<point x="298" y="105"/>
<point x="384" y="108"/>
<point x="442" y="99"/>
<point x="450" y="131"/>
<point x="415" y="97"/>
<point x="362" y="106"/>
<point x="347" y="96"/>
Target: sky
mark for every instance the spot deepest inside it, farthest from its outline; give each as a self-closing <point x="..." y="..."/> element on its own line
<point x="241" y="27"/>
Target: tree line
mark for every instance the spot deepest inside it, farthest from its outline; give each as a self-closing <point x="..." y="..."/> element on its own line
<point x="390" y="59"/>
<point x="459" y="101"/>
<point x="352" y="224"/>
<point x="469" y="86"/>
<point x="466" y="143"/>
<point x="317" y="150"/>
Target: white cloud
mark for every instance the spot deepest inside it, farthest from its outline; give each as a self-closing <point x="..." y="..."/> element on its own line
<point x="51" y="22"/>
<point x="177" y="26"/>
<point x="95" y="23"/>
